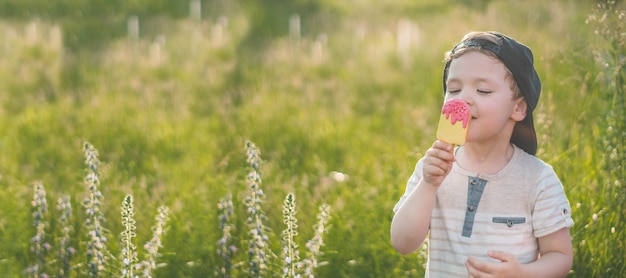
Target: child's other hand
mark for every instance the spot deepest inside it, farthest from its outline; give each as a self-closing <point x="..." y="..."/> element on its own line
<point x="437" y="163"/>
<point x="507" y="267"/>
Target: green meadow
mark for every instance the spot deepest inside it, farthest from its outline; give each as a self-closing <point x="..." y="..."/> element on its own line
<point x="244" y="120"/>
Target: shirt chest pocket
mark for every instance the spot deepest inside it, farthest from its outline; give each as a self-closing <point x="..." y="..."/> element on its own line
<point x="511" y="229"/>
<point x="508" y="221"/>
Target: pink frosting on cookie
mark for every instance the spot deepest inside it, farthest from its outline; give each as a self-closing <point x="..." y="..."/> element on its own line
<point x="456" y="110"/>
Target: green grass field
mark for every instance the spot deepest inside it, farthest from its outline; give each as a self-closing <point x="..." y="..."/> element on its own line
<point x="341" y="103"/>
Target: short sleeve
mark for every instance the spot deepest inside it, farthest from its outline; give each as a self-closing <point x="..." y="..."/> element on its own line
<point x="410" y="184"/>
<point x="552" y="210"/>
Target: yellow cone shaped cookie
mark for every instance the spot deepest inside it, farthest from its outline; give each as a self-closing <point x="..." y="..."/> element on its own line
<point x="454" y="122"/>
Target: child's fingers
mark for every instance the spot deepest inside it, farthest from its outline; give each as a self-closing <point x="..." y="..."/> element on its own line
<point x="442" y="151"/>
<point x="443" y="145"/>
<point x="436" y="167"/>
<point x="438" y="162"/>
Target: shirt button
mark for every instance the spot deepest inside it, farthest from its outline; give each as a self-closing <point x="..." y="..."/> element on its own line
<point x="473" y="181"/>
<point x="471" y="208"/>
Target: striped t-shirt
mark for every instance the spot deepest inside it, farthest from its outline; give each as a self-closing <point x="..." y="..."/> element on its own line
<point x="507" y="211"/>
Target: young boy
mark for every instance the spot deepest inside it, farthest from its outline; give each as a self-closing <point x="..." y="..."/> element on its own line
<point x="490" y="208"/>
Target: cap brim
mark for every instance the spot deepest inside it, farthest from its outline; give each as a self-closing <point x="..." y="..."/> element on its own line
<point x="524" y="135"/>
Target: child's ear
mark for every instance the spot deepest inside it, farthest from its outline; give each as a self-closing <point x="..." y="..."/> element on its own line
<point x="519" y="111"/>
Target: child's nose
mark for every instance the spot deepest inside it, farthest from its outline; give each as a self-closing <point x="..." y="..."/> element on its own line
<point x="465" y="95"/>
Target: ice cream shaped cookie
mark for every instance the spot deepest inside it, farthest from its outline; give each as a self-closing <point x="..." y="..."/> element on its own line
<point x="454" y="122"/>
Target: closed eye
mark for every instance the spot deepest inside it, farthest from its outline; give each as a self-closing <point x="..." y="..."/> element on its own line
<point x="484" y="91"/>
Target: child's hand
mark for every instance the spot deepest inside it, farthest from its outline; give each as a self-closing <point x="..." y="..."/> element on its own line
<point x="437" y="163"/>
<point x="507" y="267"/>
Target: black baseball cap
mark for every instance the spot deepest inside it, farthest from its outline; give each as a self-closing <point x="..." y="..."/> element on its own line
<point x="518" y="58"/>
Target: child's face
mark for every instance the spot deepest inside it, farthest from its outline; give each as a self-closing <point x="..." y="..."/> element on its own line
<point x="481" y="81"/>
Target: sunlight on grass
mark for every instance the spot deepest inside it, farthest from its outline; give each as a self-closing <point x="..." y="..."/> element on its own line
<point x="342" y="102"/>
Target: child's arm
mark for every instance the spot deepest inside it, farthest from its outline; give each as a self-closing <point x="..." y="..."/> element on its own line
<point x="556" y="255"/>
<point x="555" y="260"/>
<point x="411" y="222"/>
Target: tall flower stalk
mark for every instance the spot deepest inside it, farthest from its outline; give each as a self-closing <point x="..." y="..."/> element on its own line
<point x="66" y="251"/>
<point x="225" y="249"/>
<point x="152" y="246"/>
<point x="96" y="246"/>
<point x="259" y="252"/>
<point x="39" y="245"/>
<point x="129" y="250"/>
<point x="290" y="248"/>
<point x="315" y="244"/>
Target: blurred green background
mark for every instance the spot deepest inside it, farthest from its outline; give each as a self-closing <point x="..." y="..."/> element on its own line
<point x="168" y="92"/>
